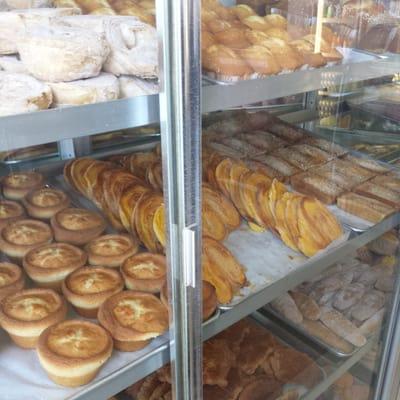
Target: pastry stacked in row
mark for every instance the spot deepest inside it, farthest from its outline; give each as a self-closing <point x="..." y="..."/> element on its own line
<point x="345" y="305"/>
<point x="238" y="43"/>
<point x="243" y="362"/>
<point x="54" y="57"/>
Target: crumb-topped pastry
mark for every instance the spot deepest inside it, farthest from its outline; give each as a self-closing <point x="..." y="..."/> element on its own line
<point x="26" y="314"/>
<point x="44" y="203"/>
<point x="77" y="225"/>
<point x="73" y="351"/>
<point x="18" y="184"/>
<point x="145" y="272"/>
<point x="10" y="211"/>
<point x="88" y="287"/>
<point x="111" y="250"/>
<point x="50" y="264"/>
<point x="11" y="279"/>
<point x="133" y="319"/>
<point x="21" y="236"/>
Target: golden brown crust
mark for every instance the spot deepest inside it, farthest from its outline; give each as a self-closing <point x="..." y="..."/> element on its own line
<point x="88" y="287"/>
<point x="26" y="314"/>
<point x="44" y="203"/>
<point x="11" y="279"/>
<point x="111" y="250"/>
<point x="73" y="351"/>
<point x="260" y="59"/>
<point x="276" y="20"/>
<point x="48" y="265"/>
<point x="21" y="236"/>
<point x="133" y="318"/>
<point x="18" y="184"/>
<point x="233" y="38"/>
<point x="9" y="212"/>
<point x="145" y="272"/>
<point x="243" y="11"/>
<point x="77" y="226"/>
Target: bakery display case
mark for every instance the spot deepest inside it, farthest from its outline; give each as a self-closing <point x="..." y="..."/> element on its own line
<point x="200" y="202"/>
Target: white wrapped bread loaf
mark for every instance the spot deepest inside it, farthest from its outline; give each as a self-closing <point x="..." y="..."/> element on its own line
<point x="20" y="93"/>
<point x="133" y="44"/>
<point x="11" y="27"/>
<point x="23" y="4"/>
<point x="12" y="64"/>
<point x="62" y="54"/>
<point x="131" y="87"/>
<point x="104" y="87"/>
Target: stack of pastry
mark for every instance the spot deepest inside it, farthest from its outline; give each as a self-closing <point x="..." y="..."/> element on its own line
<point x="237" y="43"/>
<point x="244" y="362"/>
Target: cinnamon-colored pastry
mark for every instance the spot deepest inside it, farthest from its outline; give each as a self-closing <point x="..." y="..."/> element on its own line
<point x="21" y="236"/>
<point x="145" y="272"/>
<point x="48" y="265"/>
<point x="260" y="59"/>
<point x="256" y="23"/>
<point x="26" y="314"/>
<point x="44" y="203"/>
<point x="233" y="38"/>
<point x="11" y="279"/>
<point x="111" y="250"/>
<point x="77" y="226"/>
<point x="225" y="61"/>
<point x="72" y="352"/>
<point x="18" y="184"/>
<point x="276" y="21"/>
<point x="133" y="319"/>
<point x="243" y="11"/>
<point x="9" y="212"/>
<point x="88" y="287"/>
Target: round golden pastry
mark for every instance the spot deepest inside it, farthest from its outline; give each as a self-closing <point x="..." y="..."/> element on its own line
<point x="44" y="203"/>
<point x="243" y="11"/>
<point x="27" y="313"/>
<point x="11" y="279"/>
<point x="208" y="15"/>
<point x="145" y="272"/>
<point x="218" y="25"/>
<point x="276" y="21"/>
<point x="77" y="226"/>
<point x="88" y="287"/>
<point x="50" y="264"/>
<point x="233" y="38"/>
<point x="72" y="352"/>
<point x="133" y="319"/>
<point x="210" y="301"/>
<point x="18" y="184"/>
<point x="224" y="13"/>
<point x="207" y="39"/>
<point x="256" y="23"/>
<point x="278" y="33"/>
<point x="111" y="250"/>
<point x="260" y="59"/>
<point x="9" y="212"/>
<point x="21" y="236"/>
<point x="255" y="37"/>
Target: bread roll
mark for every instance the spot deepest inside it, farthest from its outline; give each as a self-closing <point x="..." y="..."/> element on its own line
<point x="276" y="21"/>
<point x="58" y="53"/>
<point x="12" y="64"/>
<point x="256" y="23"/>
<point x="233" y="38"/>
<point x="260" y="59"/>
<point x="131" y="87"/>
<point x="307" y="306"/>
<point x="288" y="308"/>
<point x="278" y="33"/>
<point x="22" y="93"/>
<point x="243" y="11"/>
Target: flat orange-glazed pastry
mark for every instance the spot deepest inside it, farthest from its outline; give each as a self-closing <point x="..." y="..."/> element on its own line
<point x="133" y="319"/>
<point x="11" y="279"/>
<point x="9" y="212"/>
<point x="21" y="236"/>
<point x="74" y="173"/>
<point x="27" y="313"/>
<point x="212" y="225"/>
<point x="88" y="287"/>
<point x="111" y="250"/>
<point x="145" y="272"/>
<point x="72" y="352"/>
<point x="137" y="163"/>
<point x="44" y="203"/>
<point x="260" y="59"/>
<point x="233" y="38"/>
<point x="48" y="265"/>
<point x="18" y="184"/>
<point x="154" y="175"/>
<point x="77" y="226"/>
<point x="159" y="225"/>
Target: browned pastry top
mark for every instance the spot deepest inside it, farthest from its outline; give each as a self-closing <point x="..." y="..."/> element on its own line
<point x="27" y="232"/>
<point x="9" y="273"/>
<point x="145" y="266"/>
<point x="76" y="219"/>
<point x="55" y="255"/>
<point x="77" y="339"/>
<point x="10" y="209"/>
<point x="111" y="245"/>
<point x="23" y="180"/>
<point x="46" y="197"/>
<point x="93" y="280"/>
<point x="31" y="304"/>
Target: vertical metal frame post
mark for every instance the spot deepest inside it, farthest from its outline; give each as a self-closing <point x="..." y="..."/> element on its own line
<point x="178" y="23"/>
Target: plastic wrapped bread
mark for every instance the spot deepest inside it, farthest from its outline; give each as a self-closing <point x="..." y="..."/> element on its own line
<point x="104" y="87"/>
<point x="20" y="93"/>
<point x="11" y="28"/>
<point x="12" y="64"/>
<point x="131" y="87"/>
<point x="62" y="54"/>
<point x="23" y="4"/>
